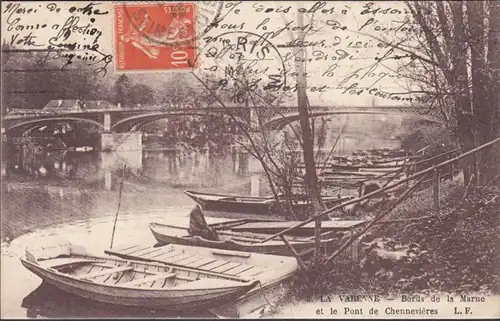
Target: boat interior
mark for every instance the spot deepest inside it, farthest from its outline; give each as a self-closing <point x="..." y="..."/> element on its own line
<point x="226" y="233"/>
<point x="246" y="200"/>
<point x="136" y="274"/>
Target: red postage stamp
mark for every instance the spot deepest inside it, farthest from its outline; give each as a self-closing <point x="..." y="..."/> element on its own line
<point x="155" y="36"/>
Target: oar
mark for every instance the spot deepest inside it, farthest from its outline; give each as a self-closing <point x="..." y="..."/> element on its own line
<point x="118" y="207"/>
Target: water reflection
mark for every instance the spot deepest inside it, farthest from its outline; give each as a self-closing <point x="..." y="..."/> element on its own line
<point x="104" y="170"/>
<point x="49" y="302"/>
<point x="44" y="188"/>
<point x="74" y="195"/>
<point x="52" y="187"/>
<point x="26" y="297"/>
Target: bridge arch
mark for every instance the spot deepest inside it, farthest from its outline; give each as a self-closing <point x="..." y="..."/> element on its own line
<point x="30" y="124"/>
<point x="136" y="122"/>
<point x="280" y="121"/>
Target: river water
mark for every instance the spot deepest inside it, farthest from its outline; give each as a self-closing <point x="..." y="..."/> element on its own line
<point x="50" y="196"/>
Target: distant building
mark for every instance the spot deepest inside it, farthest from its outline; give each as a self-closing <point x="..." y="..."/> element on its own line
<point x="64" y="105"/>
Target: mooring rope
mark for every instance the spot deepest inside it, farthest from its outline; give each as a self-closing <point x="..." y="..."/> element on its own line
<point x="264" y="296"/>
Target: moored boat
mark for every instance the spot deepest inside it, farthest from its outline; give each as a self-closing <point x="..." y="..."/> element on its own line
<point x="229" y="203"/>
<point x="133" y="283"/>
<point x="248" y="240"/>
<point x="332" y="228"/>
<point x="270" y="270"/>
<point x="250" y="204"/>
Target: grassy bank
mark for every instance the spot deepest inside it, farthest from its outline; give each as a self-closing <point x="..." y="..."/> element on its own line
<point x="454" y="250"/>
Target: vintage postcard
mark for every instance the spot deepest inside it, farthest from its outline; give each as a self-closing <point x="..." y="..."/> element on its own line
<point x="250" y="159"/>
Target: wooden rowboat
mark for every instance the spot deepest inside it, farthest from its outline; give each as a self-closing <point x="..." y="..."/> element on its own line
<point x="228" y="203"/>
<point x="133" y="283"/>
<point x="249" y="204"/>
<point x="329" y="228"/>
<point x="238" y="241"/>
<point x="272" y="271"/>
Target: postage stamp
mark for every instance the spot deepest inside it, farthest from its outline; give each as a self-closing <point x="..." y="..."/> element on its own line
<point x="155" y="36"/>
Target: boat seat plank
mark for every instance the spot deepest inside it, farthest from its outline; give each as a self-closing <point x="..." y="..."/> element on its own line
<point x="215" y="264"/>
<point x="151" y="251"/>
<point x="151" y="256"/>
<point x="187" y="261"/>
<point x="250" y="272"/>
<point x="179" y="258"/>
<point x="108" y="271"/>
<point x="255" y="273"/>
<point x="163" y="257"/>
<point x="143" y="251"/>
<point x="199" y="264"/>
<point x="231" y="253"/>
<point x="127" y="248"/>
<point x="59" y="262"/>
<point x="149" y="279"/>
<point x="137" y="250"/>
<point x="238" y="269"/>
<point x="156" y="255"/>
<point x="168" y="256"/>
<point x="226" y="267"/>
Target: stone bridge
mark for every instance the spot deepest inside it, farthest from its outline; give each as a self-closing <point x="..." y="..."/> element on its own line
<point x="121" y="120"/>
<point x="285" y="116"/>
<point x="109" y="120"/>
<point x="117" y="125"/>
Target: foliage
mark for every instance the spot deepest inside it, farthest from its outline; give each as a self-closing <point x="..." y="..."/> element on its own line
<point x="130" y="94"/>
<point x="456" y="63"/>
<point x="142" y="94"/>
<point x="122" y="90"/>
<point x="455" y="250"/>
<point x="32" y="81"/>
<point x="342" y="276"/>
<point x="434" y="138"/>
<point x="200" y="132"/>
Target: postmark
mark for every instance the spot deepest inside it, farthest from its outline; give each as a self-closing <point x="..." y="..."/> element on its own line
<point x="244" y="63"/>
<point x="208" y="14"/>
<point x="155" y="36"/>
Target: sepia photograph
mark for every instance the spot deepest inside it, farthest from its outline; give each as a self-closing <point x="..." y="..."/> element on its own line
<point x="250" y="159"/>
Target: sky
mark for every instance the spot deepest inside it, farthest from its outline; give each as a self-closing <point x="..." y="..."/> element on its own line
<point x="345" y="64"/>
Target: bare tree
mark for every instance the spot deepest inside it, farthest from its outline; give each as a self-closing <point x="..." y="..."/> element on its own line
<point x="277" y="154"/>
<point x="454" y="59"/>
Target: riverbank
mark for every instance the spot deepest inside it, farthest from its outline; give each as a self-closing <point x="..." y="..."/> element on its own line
<point x="454" y="251"/>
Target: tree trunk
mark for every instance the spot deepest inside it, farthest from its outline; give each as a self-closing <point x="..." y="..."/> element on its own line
<point x="492" y="156"/>
<point x="481" y="103"/>
<point x="462" y="98"/>
<point x="310" y="178"/>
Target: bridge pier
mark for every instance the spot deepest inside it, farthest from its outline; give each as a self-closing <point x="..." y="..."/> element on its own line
<point x="130" y="141"/>
<point x="254" y="120"/>
<point x="107" y="122"/>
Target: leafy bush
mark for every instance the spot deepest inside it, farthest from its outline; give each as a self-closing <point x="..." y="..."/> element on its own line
<point x="439" y="139"/>
<point x="455" y="250"/>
